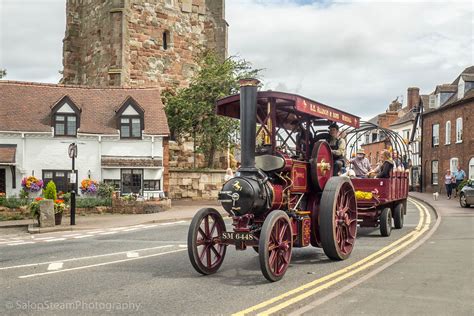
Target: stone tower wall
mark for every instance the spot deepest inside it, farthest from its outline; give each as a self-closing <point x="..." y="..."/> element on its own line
<point x="122" y="42"/>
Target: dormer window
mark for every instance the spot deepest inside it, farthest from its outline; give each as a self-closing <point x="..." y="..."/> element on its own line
<point x="130" y="119"/>
<point x="65" y="118"/>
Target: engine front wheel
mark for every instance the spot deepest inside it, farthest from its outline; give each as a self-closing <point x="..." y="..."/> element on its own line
<point x="205" y="253"/>
<point x="338" y="218"/>
<point x="275" y="245"/>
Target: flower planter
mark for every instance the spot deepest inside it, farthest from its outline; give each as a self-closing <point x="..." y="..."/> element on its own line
<point x="58" y="218"/>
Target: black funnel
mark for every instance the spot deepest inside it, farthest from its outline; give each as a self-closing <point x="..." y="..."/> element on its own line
<point x="248" y="124"/>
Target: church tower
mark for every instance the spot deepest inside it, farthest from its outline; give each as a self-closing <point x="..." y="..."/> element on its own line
<point x="139" y="43"/>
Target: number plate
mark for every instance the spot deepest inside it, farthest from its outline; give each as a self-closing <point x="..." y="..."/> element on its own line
<point x="237" y="236"/>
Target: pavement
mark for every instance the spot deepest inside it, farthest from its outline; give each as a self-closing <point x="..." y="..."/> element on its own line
<point x="180" y="210"/>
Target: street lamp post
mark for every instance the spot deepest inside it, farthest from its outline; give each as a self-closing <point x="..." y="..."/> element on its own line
<point x="72" y="150"/>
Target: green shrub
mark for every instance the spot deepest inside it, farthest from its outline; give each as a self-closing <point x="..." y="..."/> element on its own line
<point x="105" y="190"/>
<point x="14" y="202"/>
<point x="88" y="202"/>
<point x="50" y="192"/>
<point x="462" y="184"/>
<point x="24" y="194"/>
<point x="2" y="200"/>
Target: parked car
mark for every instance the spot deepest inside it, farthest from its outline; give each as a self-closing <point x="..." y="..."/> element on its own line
<point x="466" y="198"/>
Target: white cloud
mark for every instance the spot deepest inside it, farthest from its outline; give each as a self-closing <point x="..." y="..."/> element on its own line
<point x="354" y="55"/>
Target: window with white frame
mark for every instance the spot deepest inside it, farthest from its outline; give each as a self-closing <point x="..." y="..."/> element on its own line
<point x="459" y="130"/>
<point x="435" y="137"/>
<point x="453" y="164"/>
<point x="448" y="133"/>
<point x="434" y="172"/>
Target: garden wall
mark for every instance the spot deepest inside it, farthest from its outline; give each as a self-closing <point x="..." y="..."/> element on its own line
<point x="196" y="185"/>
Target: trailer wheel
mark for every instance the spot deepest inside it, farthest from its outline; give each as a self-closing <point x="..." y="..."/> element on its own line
<point x="205" y="253"/>
<point x="275" y="245"/>
<point x="398" y="215"/>
<point x="338" y="218"/>
<point x="386" y="222"/>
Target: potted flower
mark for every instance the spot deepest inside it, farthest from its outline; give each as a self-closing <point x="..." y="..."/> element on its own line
<point x="89" y="186"/>
<point x="59" y="207"/>
<point x="34" y="208"/>
<point x="31" y="184"/>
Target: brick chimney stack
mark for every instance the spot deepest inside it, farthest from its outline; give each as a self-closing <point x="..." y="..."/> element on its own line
<point x="413" y="97"/>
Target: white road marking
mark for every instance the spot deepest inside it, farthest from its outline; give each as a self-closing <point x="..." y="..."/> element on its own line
<point x="55" y="239"/>
<point x="41" y="238"/>
<point x="83" y="236"/>
<point x="183" y="246"/>
<point x="99" y="264"/>
<point x="150" y="226"/>
<point x="21" y="243"/>
<point x="172" y="223"/>
<point x="84" y="258"/>
<point x="131" y="229"/>
<point x="132" y="254"/>
<point x="72" y="235"/>
<point x="108" y="233"/>
<point x="55" y="266"/>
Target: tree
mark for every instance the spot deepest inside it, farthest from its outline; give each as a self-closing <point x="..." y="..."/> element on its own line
<point x="191" y="110"/>
<point x="3" y="73"/>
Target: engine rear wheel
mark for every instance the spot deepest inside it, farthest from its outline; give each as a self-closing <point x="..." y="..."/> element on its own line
<point x="398" y="216"/>
<point x="275" y="245"/>
<point x="205" y="253"/>
<point x="386" y="222"/>
<point x="338" y="218"/>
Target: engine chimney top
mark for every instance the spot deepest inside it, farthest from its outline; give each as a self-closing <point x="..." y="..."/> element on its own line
<point x="248" y="82"/>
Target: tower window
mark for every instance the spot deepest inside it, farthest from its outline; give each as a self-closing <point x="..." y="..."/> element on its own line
<point x="166" y="39"/>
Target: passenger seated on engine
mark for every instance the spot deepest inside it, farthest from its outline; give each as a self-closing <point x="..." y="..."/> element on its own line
<point x="387" y="165"/>
<point x="338" y="148"/>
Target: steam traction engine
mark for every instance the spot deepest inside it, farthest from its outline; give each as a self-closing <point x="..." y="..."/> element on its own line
<point x="284" y="195"/>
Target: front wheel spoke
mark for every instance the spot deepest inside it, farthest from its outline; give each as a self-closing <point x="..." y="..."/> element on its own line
<point x="218" y="255"/>
<point x="201" y="256"/>
<point x="203" y="234"/>
<point x="208" y="253"/>
<point x="275" y="267"/>
<point x="271" y="258"/>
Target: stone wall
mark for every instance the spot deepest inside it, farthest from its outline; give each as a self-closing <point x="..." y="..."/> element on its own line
<point x="137" y="43"/>
<point x="196" y="185"/>
<point x="182" y="156"/>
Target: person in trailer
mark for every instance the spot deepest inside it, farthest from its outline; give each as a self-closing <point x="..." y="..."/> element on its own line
<point x="338" y="148"/>
<point x="387" y="165"/>
<point x="360" y="164"/>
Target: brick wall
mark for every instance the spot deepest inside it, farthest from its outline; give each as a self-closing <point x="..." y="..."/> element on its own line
<point x="443" y="153"/>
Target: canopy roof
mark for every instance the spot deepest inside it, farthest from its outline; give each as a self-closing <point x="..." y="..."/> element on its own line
<point x="289" y="109"/>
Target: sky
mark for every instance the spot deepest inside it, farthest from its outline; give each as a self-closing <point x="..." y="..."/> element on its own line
<point x="353" y="55"/>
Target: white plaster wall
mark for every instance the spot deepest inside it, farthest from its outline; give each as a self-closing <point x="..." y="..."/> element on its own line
<point x="43" y="152"/>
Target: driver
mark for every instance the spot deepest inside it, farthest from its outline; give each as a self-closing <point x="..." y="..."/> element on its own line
<point x="338" y="148"/>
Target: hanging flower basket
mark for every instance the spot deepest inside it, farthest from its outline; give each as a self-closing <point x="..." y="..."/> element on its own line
<point x="31" y="184"/>
<point x="89" y="186"/>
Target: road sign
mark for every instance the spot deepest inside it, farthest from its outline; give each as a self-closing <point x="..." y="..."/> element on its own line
<point x="72" y="178"/>
<point x="72" y="150"/>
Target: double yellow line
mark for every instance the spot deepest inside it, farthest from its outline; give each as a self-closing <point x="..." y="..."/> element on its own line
<point x="340" y="275"/>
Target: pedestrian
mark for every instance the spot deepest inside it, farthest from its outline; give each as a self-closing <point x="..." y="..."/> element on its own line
<point x="360" y="164"/>
<point x="448" y="179"/>
<point x="460" y="175"/>
<point x="228" y="174"/>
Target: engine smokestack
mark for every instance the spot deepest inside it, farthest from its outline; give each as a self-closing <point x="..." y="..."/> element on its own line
<point x="248" y="117"/>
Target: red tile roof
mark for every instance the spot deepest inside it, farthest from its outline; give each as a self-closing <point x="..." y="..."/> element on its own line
<point x="7" y="153"/>
<point x="26" y="106"/>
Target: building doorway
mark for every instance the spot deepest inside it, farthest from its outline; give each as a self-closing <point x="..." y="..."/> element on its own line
<point x="3" y="181"/>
